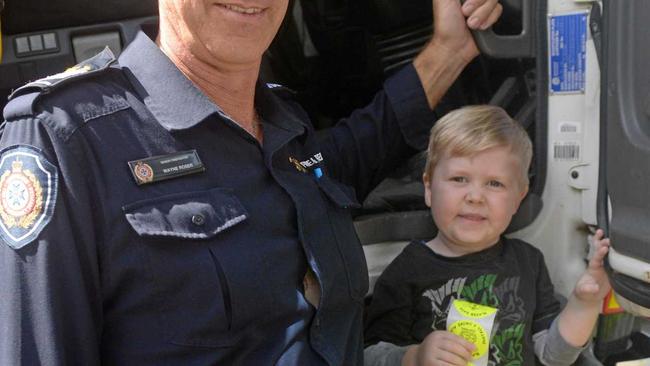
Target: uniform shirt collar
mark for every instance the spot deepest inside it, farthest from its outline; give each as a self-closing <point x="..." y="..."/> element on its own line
<point x="170" y="96"/>
<point x="273" y="109"/>
<point x="176" y="102"/>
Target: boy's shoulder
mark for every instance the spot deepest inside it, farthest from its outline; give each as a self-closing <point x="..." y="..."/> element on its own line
<point x="412" y="251"/>
<point x="525" y="255"/>
<point x="409" y="260"/>
<point x="521" y="246"/>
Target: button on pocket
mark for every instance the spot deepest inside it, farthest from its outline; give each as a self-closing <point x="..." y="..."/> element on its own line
<point x="198" y="220"/>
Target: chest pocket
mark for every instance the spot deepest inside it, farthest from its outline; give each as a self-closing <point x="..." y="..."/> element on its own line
<point x="194" y="215"/>
<point x="189" y="241"/>
<point x="342" y="199"/>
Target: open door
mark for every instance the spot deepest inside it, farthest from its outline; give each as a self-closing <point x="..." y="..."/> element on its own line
<point x="623" y="199"/>
<point x="626" y="115"/>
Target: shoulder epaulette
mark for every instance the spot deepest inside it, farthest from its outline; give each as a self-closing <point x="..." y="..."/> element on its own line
<point x="91" y="66"/>
<point x="22" y="99"/>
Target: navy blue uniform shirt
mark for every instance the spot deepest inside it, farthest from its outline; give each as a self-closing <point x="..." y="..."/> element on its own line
<point x="203" y="268"/>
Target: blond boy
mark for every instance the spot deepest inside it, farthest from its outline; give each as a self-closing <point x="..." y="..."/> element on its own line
<point x="475" y="179"/>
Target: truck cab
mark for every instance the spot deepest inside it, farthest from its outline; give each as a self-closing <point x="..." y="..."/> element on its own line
<point x="572" y="72"/>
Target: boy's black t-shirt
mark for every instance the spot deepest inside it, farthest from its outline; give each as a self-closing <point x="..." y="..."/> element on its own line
<point x="412" y="296"/>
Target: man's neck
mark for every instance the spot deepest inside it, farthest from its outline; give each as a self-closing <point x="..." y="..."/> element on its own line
<point x="231" y="87"/>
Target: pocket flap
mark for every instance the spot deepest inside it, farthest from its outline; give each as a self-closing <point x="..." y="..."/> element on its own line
<point x="341" y="195"/>
<point x="193" y="215"/>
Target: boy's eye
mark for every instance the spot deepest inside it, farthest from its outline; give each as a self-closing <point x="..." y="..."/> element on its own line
<point x="459" y="179"/>
<point x="495" y="184"/>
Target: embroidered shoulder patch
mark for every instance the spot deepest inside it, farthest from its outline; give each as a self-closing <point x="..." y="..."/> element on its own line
<point x="28" y="184"/>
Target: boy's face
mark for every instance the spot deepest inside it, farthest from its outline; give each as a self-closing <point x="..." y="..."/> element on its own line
<point x="473" y="198"/>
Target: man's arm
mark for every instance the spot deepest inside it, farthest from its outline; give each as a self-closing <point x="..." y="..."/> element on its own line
<point x="373" y="141"/>
<point x="452" y="46"/>
<point x="50" y="308"/>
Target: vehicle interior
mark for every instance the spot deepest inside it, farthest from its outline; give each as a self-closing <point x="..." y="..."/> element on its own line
<point x="334" y="55"/>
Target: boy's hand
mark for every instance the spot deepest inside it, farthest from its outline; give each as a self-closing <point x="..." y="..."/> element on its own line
<point x="440" y="348"/>
<point x="594" y="283"/>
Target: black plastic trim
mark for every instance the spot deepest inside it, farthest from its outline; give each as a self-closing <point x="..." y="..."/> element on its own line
<point x="630" y="288"/>
<point x="541" y="129"/>
<point x="395" y="226"/>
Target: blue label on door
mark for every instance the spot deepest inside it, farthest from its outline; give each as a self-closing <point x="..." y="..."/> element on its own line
<point x="567" y="50"/>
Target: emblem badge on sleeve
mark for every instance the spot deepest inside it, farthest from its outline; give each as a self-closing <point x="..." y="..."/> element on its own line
<point x="28" y="184"/>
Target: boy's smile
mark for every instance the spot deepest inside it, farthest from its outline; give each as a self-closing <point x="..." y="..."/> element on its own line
<point x="472" y="199"/>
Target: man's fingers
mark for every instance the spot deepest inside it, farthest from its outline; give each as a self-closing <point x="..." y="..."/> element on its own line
<point x="494" y="16"/>
<point x="470" y="5"/>
<point x="482" y="13"/>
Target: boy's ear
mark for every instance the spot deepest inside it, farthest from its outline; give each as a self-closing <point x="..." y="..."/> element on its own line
<point x="523" y="194"/>
<point x="427" y="189"/>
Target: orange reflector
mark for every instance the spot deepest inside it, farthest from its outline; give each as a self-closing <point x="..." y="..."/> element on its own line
<point x="610" y="305"/>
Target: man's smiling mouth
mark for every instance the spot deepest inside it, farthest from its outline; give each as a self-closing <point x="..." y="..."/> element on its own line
<point x="242" y="10"/>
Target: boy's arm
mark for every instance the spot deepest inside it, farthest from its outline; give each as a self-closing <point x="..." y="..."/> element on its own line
<point x="388" y="322"/>
<point x="384" y="354"/>
<point x="576" y="322"/>
<point x="389" y="316"/>
<point x="571" y="329"/>
<point x="552" y="350"/>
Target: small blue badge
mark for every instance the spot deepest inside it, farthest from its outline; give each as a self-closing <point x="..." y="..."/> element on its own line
<point x="28" y="184"/>
<point x="318" y="172"/>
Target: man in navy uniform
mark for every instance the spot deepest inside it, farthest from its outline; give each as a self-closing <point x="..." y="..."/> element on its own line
<point x="167" y="208"/>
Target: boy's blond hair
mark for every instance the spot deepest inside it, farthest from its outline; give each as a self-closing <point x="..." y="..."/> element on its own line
<point x="472" y="129"/>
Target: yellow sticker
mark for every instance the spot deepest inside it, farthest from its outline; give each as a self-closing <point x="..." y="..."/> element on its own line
<point x="471" y="310"/>
<point x="472" y="332"/>
<point x="76" y="69"/>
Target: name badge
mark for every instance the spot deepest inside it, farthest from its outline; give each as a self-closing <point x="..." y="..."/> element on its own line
<point x="157" y="168"/>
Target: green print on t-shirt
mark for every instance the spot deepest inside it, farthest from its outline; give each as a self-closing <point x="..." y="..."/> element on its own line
<point x="509" y="346"/>
<point x="481" y="291"/>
